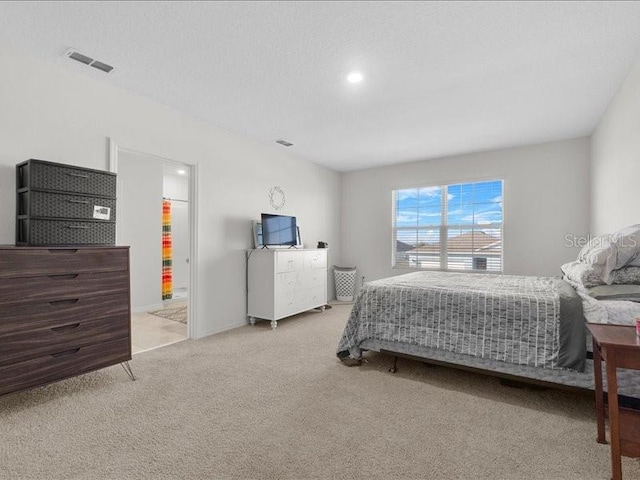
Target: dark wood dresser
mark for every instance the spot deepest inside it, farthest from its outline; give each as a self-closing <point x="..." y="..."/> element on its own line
<point x="63" y="311"/>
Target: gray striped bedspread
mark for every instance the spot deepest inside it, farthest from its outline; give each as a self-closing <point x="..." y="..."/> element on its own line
<point x="535" y="321"/>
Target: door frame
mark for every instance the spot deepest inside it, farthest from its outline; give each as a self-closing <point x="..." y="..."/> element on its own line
<point x="192" y="295"/>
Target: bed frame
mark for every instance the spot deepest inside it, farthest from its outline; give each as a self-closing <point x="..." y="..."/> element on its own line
<point x="630" y="383"/>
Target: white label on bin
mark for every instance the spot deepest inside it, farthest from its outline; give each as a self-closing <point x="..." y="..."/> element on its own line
<point x="101" y="213"/>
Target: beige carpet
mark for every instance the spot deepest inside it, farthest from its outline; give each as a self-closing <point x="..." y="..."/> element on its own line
<point x="263" y="404"/>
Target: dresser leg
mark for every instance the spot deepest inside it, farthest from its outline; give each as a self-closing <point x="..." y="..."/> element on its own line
<point x="127" y="368"/>
<point x="252" y="320"/>
<point x="274" y="324"/>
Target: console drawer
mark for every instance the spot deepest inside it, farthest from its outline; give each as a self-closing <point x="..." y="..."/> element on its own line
<point x="65" y="336"/>
<point x="32" y="262"/>
<point x="17" y="318"/>
<point x="63" y="364"/>
<point x="61" y="287"/>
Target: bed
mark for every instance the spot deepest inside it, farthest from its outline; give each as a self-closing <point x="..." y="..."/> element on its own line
<point x="528" y="321"/>
<point x="517" y="327"/>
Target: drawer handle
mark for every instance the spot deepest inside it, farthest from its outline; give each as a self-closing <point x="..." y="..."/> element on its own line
<point x="78" y="175"/>
<point x="66" y="353"/>
<point x="64" y="302"/>
<point x="64" y="277"/>
<point x="63" y="328"/>
<point x="78" y="226"/>
<point x="84" y="202"/>
<point x="64" y="250"/>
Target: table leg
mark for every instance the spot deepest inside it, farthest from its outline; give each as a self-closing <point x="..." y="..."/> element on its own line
<point x="597" y="373"/>
<point x="614" y="420"/>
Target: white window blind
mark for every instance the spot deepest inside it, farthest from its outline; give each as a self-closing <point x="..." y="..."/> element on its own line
<point x="449" y="227"/>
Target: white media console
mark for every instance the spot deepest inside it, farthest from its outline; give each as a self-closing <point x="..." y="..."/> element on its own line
<point x="282" y="283"/>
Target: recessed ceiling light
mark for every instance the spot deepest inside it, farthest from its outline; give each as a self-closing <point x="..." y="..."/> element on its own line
<point x="182" y="172"/>
<point x="355" y="77"/>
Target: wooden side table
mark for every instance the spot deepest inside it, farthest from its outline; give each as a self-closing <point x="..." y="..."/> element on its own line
<point x="619" y="347"/>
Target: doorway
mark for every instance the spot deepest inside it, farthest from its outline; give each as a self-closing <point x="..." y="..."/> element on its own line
<point x="155" y="218"/>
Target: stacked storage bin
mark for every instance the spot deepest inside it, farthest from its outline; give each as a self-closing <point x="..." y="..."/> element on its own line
<point x="58" y="204"/>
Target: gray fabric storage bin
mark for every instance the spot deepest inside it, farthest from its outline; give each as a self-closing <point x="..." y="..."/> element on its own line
<point x="65" y="232"/>
<point x="43" y="175"/>
<point x="60" y="205"/>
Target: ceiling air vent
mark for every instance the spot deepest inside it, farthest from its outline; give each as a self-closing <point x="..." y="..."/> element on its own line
<point x="73" y="54"/>
<point x="284" y="142"/>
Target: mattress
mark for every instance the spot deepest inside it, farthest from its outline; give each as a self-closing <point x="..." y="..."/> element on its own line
<point x="531" y="321"/>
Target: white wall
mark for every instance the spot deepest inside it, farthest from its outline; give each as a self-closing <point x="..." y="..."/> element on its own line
<point x="546" y="197"/>
<point x="140" y="226"/>
<point x="54" y="114"/>
<point x="175" y="187"/>
<point x="615" y="161"/>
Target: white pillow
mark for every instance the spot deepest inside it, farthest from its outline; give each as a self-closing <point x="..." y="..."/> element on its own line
<point x="582" y="274"/>
<point x="606" y="253"/>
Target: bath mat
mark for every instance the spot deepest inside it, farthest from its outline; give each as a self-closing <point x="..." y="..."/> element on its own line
<point x="177" y="314"/>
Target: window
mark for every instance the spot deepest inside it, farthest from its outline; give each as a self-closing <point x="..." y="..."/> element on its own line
<point x="449" y="227"/>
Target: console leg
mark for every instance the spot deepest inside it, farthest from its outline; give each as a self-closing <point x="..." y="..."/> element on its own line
<point x="274" y="324"/>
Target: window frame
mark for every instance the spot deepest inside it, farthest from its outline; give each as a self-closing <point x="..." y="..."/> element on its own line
<point x="444" y="228"/>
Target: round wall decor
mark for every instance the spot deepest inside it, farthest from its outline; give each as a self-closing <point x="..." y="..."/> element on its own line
<point x="277" y="198"/>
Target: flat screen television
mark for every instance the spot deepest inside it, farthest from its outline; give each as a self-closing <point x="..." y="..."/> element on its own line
<point x="279" y="230"/>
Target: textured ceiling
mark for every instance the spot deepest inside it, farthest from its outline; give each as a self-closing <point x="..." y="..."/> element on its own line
<point x="441" y="78"/>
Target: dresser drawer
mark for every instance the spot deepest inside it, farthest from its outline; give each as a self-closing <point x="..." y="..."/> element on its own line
<point x="61" y="287"/>
<point x="65" y="336"/>
<point x="288" y="261"/>
<point x="66" y="178"/>
<point x="314" y="297"/>
<point x="290" y="303"/>
<point x="36" y="315"/>
<point x="287" y="282"/>
<point x="63" y="364"/>
<point x="49" y="204"/>
<point x="32" y="262"/>
<point x="312" y="278"/>
<point x="315" y="260"/>
<point x="292" y="281"/>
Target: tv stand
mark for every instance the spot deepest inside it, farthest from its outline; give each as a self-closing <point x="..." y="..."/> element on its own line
<point x="282" y="283"/>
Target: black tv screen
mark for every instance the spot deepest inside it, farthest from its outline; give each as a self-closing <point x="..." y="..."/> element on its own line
<point x="278" y="230"/>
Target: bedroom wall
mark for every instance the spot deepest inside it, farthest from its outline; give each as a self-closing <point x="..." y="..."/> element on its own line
<point x="615" y="161"/>
<point x="546" y="198"/>
<point x="52" y="113"/>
